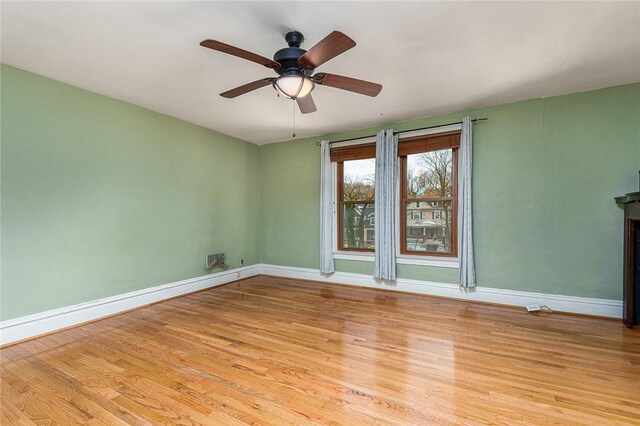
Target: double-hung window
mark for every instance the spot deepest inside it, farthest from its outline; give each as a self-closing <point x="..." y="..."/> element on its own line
<point x="428" y="205"/>
<point x="427" y="201"/>
<point x="356" y="167"/>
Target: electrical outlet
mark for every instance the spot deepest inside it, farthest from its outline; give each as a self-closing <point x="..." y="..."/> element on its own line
<point x="241" y="261"/>
<point x="533" y="308"/>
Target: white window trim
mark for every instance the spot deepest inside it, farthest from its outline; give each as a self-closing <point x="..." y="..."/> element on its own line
<point x="440" y="262"/>
<point x="334" y="182"/>
<point x="352" y="255"/>
<point x="401" y="259"/>
<point x="359" y="141"/>
<point x="405" y="259"/>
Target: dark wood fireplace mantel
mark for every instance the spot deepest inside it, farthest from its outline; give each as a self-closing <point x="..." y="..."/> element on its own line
<point x="631" y="295"/>
<point x="631" y="197"/>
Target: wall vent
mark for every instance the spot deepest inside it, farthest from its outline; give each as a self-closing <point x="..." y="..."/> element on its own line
<point x="216" y="261"/>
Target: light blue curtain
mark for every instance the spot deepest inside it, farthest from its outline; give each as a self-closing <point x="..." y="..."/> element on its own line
<point x="467" y="271"/>
<point x="326" y="210"/>
<point x="386" y="195"/>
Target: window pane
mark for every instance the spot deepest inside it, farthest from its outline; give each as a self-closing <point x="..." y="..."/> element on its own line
<point x="359" y="178"/>
<point x="429" y="226"/>
<point x="429" y="174"/>
<point x="357" y="226"/>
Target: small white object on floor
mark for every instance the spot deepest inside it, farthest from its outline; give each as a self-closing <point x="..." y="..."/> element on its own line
<point x="533" y="308"/>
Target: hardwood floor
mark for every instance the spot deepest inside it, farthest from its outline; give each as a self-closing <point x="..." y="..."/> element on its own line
<point x="278" y="351"/>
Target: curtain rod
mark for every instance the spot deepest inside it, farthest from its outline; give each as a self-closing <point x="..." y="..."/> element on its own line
<point x="404" y="131"/>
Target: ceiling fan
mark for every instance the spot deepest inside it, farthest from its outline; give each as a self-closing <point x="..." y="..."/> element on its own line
<point x="295" y="67"/>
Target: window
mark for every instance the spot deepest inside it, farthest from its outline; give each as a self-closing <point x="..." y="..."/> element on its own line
<point x="369" y="235"/>
<point x="356" y="167"/>
<point x="428" y="194"/>
<point x="428" y="204"/>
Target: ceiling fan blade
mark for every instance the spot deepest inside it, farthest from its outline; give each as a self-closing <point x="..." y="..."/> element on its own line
<point x="327" y="48"/>
<point x="348" y="83"/>
<point x="306" y="104"/>
<point x="240" y="53"/>
<point x="246" y="88"/>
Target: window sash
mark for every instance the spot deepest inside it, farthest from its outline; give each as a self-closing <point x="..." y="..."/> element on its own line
<point x="404" y="200"/>
<point x="340" y="208"/>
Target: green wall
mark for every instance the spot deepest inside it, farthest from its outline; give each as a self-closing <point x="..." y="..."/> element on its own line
<point x="545" y="174"/>
<point x="100" y="197"/>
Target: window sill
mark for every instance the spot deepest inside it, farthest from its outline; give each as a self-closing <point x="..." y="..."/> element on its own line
<point x="440" y="262"/>
<point x="404" y="259"/>
<point x="350" y="255"/>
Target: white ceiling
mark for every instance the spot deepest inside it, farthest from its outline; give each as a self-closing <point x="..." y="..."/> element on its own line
<point x="431" y="57"/>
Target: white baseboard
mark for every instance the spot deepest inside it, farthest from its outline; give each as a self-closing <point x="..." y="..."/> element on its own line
<point x="29" y="326"/>
<point x="560" y="303"/>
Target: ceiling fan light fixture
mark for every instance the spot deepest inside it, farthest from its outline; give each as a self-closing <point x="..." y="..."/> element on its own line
<point x="294" y="86"/>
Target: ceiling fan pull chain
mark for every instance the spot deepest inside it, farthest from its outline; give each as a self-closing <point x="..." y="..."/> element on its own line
<point x="294" y="118"/>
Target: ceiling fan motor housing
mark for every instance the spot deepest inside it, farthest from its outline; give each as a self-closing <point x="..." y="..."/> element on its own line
<point x="288" y="57"/>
